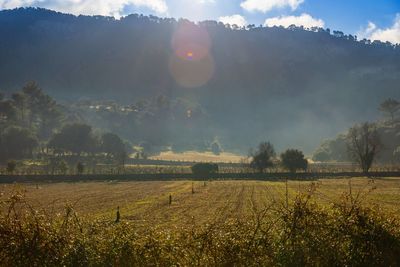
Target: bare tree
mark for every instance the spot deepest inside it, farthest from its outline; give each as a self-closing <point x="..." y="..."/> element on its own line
<point x="363" y="144"/>
<point x="390" y="106"/>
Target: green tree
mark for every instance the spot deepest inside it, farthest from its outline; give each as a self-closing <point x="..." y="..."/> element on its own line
<point x="19" y="100"/>
<point x="8" y="112"/>
<point x="396" y="154"/>
<point x="58" y="166"/>
<point x="17" y="143"/>
<point x="80" y="168"/>
<point x="49" y="116"/>
<point x="76" y="138"/>
<point x="31" y="92"/>
<point x="113" y="145"/>
<point x="63" y="167"/>
<point x="44" y="113"/>
<point x="293" y="160"/>
<point x="263" y="158"/>
<point x="332" y="150"/>
<point x="11" y="166"/>
<point x="121" y="158"/>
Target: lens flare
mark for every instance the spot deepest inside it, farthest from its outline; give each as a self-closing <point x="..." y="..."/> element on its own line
<point x="191" y="74"/>
<point x="191" y="63"/>
<point x="190" y="38"/>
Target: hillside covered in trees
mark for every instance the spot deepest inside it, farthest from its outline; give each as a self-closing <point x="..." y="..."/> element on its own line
<point x="292" y="86"/>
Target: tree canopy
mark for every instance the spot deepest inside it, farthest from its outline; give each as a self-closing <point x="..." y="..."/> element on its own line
<point x="390" y="107"/>
<point x="75" y="138"/>
<point x="263" y="157"/>
<point x="293" y="160"/>
<point x="113" y="145"/>
<point x="17" y="143"/>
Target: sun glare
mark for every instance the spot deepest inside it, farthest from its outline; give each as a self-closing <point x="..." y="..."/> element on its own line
<point x="191" y="63"/>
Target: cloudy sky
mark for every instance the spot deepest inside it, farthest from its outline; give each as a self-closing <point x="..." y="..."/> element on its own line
<point x="372" y="19"/>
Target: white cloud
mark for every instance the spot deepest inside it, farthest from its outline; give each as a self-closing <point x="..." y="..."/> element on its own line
<point x="391" y="34"/>
<point x="267" y="5"/>
<point x="206" y="1"/>
<point x="368" y="31"/>
<point x="10" y="4"/>
<point x="303" y="20"/>
<point x="234" y="20"/>
<point x="88" y="7"/>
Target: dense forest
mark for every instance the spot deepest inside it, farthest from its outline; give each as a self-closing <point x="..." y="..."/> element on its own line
<point x="292" y="86"/>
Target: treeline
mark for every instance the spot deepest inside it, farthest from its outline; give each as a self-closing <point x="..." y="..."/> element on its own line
<point x="33" y="125"/>
<point x="385" y="135"/>
<point x="157" y="123"/>
<point x="265" y="157"/>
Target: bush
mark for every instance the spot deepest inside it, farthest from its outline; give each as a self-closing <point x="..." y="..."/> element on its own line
<point x="57" y="166"/>
<point x="11" y="166"/>
<point x="347" y="234"/>
<point x="80" y="167"/>
<point x="204" y="168"/>
<point x="63" y="167"/>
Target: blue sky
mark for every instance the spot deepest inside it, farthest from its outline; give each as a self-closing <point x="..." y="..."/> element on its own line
<point x="373" y="19"/>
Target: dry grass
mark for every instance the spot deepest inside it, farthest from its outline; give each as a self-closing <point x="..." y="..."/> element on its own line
<point x="195" y="156"/>
<point x="224" y="223"/>
<point x="147" y="202"/>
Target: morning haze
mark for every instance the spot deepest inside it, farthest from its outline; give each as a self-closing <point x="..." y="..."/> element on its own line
<point x="144" y="140"/>
<point x="295" y="86"/>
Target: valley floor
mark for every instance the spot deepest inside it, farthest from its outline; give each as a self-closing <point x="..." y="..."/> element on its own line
<point x="147" y="203"/>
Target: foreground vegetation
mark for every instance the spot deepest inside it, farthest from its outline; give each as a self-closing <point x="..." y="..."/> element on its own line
<point x="329" y="223"/>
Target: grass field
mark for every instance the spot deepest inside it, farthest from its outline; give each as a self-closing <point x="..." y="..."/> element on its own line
<point x="195" y="156"/>
<point x="148" y="202"/>
<point x="331" y="222"/>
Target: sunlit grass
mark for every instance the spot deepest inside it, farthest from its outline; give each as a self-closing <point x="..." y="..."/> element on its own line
<point x="199" y="157"/>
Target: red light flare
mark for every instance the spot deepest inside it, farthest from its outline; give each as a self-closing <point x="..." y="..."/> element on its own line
<point x="191" y="63"/>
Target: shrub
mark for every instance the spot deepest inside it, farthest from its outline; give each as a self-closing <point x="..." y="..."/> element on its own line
<point x="57" y="166"/>
<point x="204" y="168"/>
<point x="304" y="234"/>
<point x="80" y="167"/>
<point x="63" y="167"/>
<point x="11" y="166"/>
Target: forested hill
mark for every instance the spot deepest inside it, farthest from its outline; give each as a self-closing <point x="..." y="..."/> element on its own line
<point x="292" y="86"/>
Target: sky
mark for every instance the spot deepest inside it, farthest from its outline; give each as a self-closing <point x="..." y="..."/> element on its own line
<point x="371" y="19"/>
